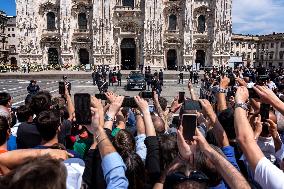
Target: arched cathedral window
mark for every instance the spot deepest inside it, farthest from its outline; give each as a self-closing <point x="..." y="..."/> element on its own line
<point x="128" y="3"/>
<point x="50" y="21"/>
<point x="172" y="22"/>
<point x="82" y="21"/>
<point x="201" y="24"/>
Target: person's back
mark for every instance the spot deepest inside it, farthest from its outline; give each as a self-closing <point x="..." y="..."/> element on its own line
<point x="161" y="75"/>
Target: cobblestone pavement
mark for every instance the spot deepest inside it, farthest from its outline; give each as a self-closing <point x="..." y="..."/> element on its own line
<point x="18" y="88"/>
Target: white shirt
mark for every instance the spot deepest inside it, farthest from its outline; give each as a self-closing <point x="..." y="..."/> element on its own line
<point x="268" y="175"/>
<point x="271" y="85"/>
<point x="266" y="144"/>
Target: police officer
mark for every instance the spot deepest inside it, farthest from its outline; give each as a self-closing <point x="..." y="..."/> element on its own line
<point x="33" y="88"/>
<point x="180" y="77"/>
<point x="119" y="75"/>
<point x="161" y="77"/>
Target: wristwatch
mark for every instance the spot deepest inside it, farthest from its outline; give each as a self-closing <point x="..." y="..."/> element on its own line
<point x="241" y="105"/>
<point x="108" y="118"/>
<point x="220" y="90"/>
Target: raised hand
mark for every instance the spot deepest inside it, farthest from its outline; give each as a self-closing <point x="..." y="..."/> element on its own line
<point x="242" y="95"/>
<point x="266" y="95"/>
<point x="175" y="105"/>
<point x="142" y="104"/>
<point x="207" y="108"/>
<point x="115" y="106"/>
<point x="110" y="96"/>
<point x="186" y="150"/>
<point x="224" y="82"/>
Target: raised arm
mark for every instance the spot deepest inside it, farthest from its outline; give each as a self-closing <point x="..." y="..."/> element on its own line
<point x="157" y="104"/>
<point x="218" y="130"/>
<point x="244" y="133"/>
<point x="70" y="105"/>
<point x="143" y="105"/>
<point x="191" y="91"/>
<point x="221" y="95"/>
<point x="268" y="96"/>
<point x="229" y="173"/>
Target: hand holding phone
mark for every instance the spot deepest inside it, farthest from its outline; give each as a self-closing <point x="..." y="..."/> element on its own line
<point x="82" y="108"/>
<point x="189" y="124"/>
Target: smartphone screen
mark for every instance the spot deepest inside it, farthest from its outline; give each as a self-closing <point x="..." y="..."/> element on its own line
<point x="146" y="94"/>
<point x="101" y="96"/>
<point x="192" y="105"/>
<point x="189" y="124"/>
<point x="151" y="108"/>
<point x="252" y="93"/>
<point x="82" y="108"/>
<point x="129" y="102"/>
<point x="181" y="97"/>
<point x="264" y="112"/>
<point x="61" y="88"/>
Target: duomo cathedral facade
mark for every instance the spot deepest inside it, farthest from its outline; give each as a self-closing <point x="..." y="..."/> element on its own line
<point x="125" y="33"/>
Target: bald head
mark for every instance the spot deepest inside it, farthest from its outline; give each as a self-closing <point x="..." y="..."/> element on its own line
<point x="158" y="124"/>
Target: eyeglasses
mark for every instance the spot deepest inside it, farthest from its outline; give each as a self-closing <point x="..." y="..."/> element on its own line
<point x="179" y="177"/>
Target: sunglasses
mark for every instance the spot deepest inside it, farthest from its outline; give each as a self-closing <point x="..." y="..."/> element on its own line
<point x="179" y="177"/>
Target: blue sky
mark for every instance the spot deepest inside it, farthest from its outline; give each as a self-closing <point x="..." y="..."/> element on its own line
<point x="249" y="16"/>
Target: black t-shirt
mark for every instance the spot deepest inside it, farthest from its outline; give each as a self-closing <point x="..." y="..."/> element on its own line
<point x="28" y="136"/>
<point x="65" y="130"/>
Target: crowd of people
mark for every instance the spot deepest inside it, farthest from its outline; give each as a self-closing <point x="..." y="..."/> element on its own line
<point x="148" y="143"/>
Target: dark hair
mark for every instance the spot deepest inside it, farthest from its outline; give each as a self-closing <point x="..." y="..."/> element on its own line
<point x="168" y="150"/>
<point x="159" y="124"/>
<point x="41" y="172"/>
<point x="47" y="123"/>
<point x="4" y="127"/>
<point x="207" y="167"/>
<point x="124" y="141"/>
<point x="163" y="103"/>
<point x="135" y="172"/>
<point x="40" y="102"/>
<point x="24" y="113"/>
<point x="4" y="98"/>
<point x="226" y="119"/>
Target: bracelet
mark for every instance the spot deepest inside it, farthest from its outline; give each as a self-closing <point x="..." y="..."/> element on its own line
<point x="101" y="140"/>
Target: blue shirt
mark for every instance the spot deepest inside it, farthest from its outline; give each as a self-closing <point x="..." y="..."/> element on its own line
<point x="230" y="154"/>
<point x="11" y="143"/>
<point x="141" y="148"/>
<point x="114" y="171"/>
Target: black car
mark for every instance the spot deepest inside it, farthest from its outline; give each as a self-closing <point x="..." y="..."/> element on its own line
<point x="136" y="81"/>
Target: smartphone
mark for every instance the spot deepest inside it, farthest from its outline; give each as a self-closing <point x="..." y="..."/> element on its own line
<point x="189" y="124"/>
<point x="232" y="81"/>
<point x="147" y="94"/>
<point x="264" y="112"/>
<point x="101" y="96"/>
<point x="252" y="93"/>
<point x="192" y="105"/>
<point x="129" y="102"/>
<point x="181" y="97"/>
<point x="82" y="108"/>
<point x="61" y="87"/>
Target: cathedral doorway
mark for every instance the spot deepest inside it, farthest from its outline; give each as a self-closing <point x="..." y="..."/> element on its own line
<point x="128" y="54"/>
<point x="171" y="59"/>
<point x="52" y="56"/>
<point x="84" y="56"/>
<point x="13" y="62"/>
<point x="200" y="57"/>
